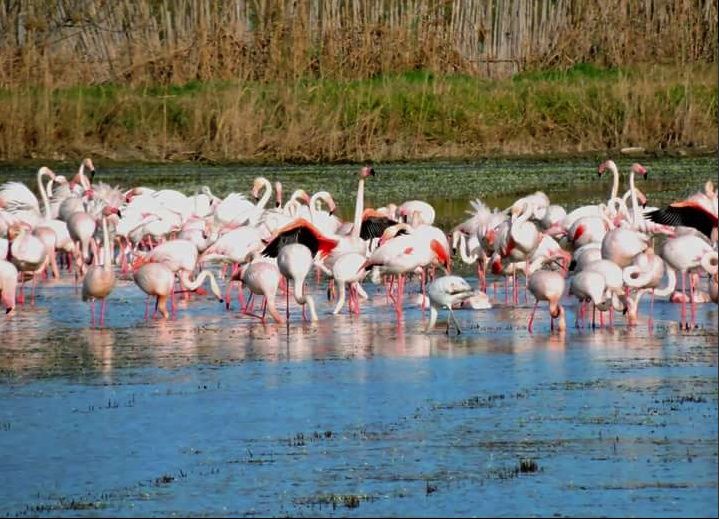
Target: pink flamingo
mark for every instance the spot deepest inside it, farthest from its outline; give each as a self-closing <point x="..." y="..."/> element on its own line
<point x="686" y="252"/>
<point x="28" y="254"/>
<point x="8" y="285"/>
<point x="100" y="280"/>
<point x="263" y="278"/>
<point x="546" y="285"/>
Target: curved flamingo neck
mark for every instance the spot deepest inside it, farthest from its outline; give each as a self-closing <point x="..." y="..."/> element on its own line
<point x="106" y="246"/>
<point x="266" y="193"/>
<point x="44" y="171"/>
<point x="635" y="210"/>
<point x="359" y="208"/>
<point x="615" y="179"/>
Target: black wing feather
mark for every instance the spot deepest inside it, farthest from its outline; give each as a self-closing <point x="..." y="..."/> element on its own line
<point x="684" y="216"/>
<point x="297" y="235"/>
<point x="374" y="226"/>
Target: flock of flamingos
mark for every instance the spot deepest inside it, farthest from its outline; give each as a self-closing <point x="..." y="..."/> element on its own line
<point x="602" y="254"/>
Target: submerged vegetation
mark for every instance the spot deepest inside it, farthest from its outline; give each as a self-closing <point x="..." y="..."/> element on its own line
<point x="330" y="80"/>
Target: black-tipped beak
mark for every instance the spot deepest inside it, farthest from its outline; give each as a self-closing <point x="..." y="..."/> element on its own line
<point x="332" y="212"/>
<point x="119" y="214"/>
<point x="646" y="175"/>
<point x="8" y="310"/>
<point x="92" y="174"/>
<point x="278" y="205"/>
<point x="599" y="174"/>
<point x="371" y="172"/>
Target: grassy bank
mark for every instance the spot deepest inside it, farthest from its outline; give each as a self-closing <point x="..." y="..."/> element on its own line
<point x="391" y="117"/>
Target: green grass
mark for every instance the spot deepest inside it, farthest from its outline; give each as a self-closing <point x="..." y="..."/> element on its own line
<point x="406" y="116"/>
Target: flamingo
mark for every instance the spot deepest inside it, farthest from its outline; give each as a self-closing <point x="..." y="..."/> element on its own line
<point x="547" y="285"/>
<point x="27" y="253"/>
<point x="426" y="211"/>
<point x="294" y="262"/>
<point x="100" y="280"/>
<point x="347" y="270"/>
<point x="8" y="285"/>
<point x="263" y="278"/>
<point x="157" y="279"/>
<point x="81" y="227"/>
<point x="683" y="253"/>
<point x="645" y="273"/>
<point x="587" y="286"/>
<point x="444" y="292"/>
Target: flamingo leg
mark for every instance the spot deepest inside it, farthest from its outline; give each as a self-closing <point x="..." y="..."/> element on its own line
<point x="594" y="316"/>
<point x="506" y="290"/>
<point x="92" y="313"/>
<point x="531" y="317"/>
<point x="102" y="312"/>
<point x="693" y="302"/>
<point x="454" y="319"/>
<point x="422" y="281"/>
<point x="287" y="308"/>
<point x="684" y="304"/>
<point x="228" y="294"/>
<point x="650" y="323"/>
<point x="32" y="293"/>
<point x="147" y="307"/>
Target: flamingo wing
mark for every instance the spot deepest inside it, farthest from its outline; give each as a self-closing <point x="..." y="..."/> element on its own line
<point x="688" y="215"/>
<point x="300" y="231"/>
<point x="374" y="226"/>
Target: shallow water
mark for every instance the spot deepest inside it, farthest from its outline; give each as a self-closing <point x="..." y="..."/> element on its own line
<point x="215" y="414"/>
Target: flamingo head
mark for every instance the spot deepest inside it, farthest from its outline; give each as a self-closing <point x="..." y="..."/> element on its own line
<point x="606" y="165"/>
<point x="89" y="167"/>
<point x="638" y="169"/>
<point x="367" y="171"/>
<point x="107" y="211"/>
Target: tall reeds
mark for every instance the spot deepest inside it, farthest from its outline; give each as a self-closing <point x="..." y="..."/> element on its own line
<point x="64" y="42"/>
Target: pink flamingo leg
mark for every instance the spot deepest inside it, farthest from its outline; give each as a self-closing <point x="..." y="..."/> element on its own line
<point x="650" y="323"/>
<point x="92" y="313"/>
<point x="102" y="312"/>
<point x="147" y="307"/>
<point x="287" y="308"/>
<point x="240" y="294"/>
<point x="531" y="317"/>
<point x="506" y="290"/>
<point x="692" y="302"/>
<point x="422" y="281"/>
<point x="684" y="304"/>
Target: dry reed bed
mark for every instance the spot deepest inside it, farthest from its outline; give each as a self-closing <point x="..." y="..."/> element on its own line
<point x="63" y="42"/>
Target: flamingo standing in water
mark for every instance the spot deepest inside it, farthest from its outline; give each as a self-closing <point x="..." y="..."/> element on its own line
<point x="445" y="292"/>
<point x="100" y="280"/>
<point x="294" y="262"/>
<point x="157" y="279"/>
<point x="686" y="252"/>
<point x="8" y="285"/>
<point x="28" y="254"/>
<point x="263" y="278"/>
<point x="547" y="285"/>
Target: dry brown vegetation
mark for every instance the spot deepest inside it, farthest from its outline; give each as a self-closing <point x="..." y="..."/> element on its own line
<point x="348" y="79"/>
